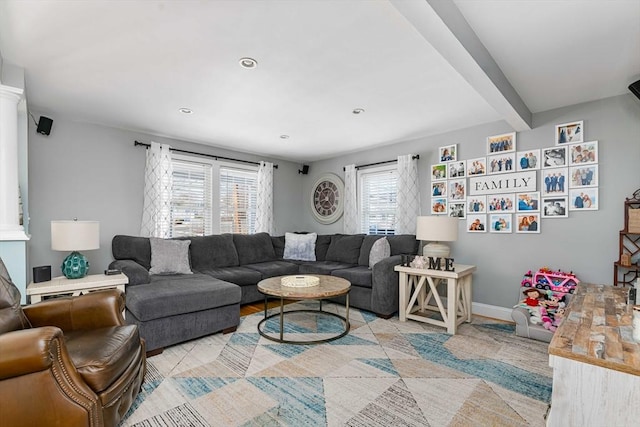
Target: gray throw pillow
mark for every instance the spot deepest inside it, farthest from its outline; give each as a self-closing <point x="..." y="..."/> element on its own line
<point x="301" y="247"/>
<point x="169" y="256"/>
<point x="379" y="251"/>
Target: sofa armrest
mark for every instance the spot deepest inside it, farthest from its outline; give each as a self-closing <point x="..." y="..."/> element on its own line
<point x="385" y="287"/>
<point x="94" y="310"/>
<point x="26" y="351"/>
<point x="137" y="274"/>
<point x="521" y="316"/>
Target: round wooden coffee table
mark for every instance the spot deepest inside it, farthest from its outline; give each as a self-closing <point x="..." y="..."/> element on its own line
<point x="328" y="287"/>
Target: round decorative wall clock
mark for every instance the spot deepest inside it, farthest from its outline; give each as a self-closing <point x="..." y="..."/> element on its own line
<point x="327" y="199"/>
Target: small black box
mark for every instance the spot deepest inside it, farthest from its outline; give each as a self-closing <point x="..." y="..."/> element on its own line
<point x="44" y="125"/>
<point x="42" y="274"/>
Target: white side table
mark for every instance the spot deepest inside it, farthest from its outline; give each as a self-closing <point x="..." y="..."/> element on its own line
<point x="418" y="287"/>
<point x="63" y="286"/>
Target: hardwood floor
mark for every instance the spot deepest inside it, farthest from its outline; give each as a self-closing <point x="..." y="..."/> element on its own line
<point x="258" y="307"/>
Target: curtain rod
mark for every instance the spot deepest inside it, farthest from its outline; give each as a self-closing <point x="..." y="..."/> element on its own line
<point x="177" y="150"/>
<point x="417" y="156"/>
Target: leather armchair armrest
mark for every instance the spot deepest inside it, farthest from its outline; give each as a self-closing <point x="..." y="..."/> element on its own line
<point x="26" y="351"/>
<point x="137" y="274"/>
<point x="94" y="310"/>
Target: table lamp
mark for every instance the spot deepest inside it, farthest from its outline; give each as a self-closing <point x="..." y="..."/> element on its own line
<point x="75" y="236"/>
<point x="436" y="229"/>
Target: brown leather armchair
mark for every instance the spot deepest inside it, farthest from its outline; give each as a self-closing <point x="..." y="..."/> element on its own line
<point x="68" y="361"/>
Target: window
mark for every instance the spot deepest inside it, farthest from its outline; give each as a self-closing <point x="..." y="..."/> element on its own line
<point x="377" y="200"/>
<point x="211" y="197"/>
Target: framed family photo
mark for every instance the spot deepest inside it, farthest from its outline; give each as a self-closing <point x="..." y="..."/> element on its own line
<point x="554" y="181"/>
<point x="528" y="160"/>
<point x="439" y="189"/>
<point x="585" y="153"/>
<point x="477" y="204"/>
<point x="501" y="203"/>
<point x="500" y="223"/>
<point x="555" y="207"/>
<point x="583" y="176"/>
<point x="457" y="189"/>
<point x="568" y="133"/>
<point x="449" y="153"/>
<point x="477" y="223"/>
<point x="528" y="202"/>
<point x="504" y="143"/>
<point x="477" y="166"/>
<point x="583" y="199"/>
<point x="501" y="163"/>
<point x="457" y="169"/>
<point x="528" y="223"/>
<point x="554" y="157"/>
<point x="439" y="172"/>
<point x="457" y="209"/>
<point x="439" y="205"/>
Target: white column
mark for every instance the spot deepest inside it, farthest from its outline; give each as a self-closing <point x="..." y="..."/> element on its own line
<point x="10" y="228"/>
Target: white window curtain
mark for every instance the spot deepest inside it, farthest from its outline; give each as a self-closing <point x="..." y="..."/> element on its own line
<point x="264" y="205"/>
<point x="350" y="219"/>
<point x="158" y="180"/>
<point x="408" y="196"/>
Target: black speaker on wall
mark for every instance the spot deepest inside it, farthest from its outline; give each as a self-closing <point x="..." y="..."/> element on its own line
<point x="305" y="170"/>
<point x="44" y="125"/>
<point x="635" y="88"/>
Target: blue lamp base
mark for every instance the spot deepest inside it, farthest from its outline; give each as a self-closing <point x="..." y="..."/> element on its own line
<point x="75" y="266"/>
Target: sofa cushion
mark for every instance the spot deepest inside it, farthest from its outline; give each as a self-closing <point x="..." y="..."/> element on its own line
<point x="274" y="268"/>
<point x="403" y="244"/>
<point x="365" y="249"/>
<point x="278" y="245"/>
<point x="169" y="256"/>
<point x="322" y="246"/>
<point x="239" y="275"/>
<point x="179" y="294"/>
<point x="300" y="246"/>
<point x="345" y="248"/>
<point x="130" y="247"/>
<point x="321" y="267"/>
<point x="254" y="248"/>
<point x="379" y="251"/>
<point x="358" y="276"/>
<point x="102" y="355"/>
<point x="213" y="251"/>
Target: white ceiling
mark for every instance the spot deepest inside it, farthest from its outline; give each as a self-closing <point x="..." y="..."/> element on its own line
<point x="417" y="67"/>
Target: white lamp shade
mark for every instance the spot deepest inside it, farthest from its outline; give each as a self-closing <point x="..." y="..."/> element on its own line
<point x="75" y="235"/>
<point x="437" y="228"/>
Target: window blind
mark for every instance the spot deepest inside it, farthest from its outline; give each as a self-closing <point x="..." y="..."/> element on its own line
<point x="378" y="201"/>
<point x="191" y="213"/>
<point x="238" y="190"/>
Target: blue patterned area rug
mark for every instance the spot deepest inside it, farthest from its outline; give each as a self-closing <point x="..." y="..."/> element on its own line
<point x="383" y="373"/>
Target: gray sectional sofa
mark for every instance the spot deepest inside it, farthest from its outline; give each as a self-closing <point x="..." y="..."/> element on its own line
<point x="173" y="308"/>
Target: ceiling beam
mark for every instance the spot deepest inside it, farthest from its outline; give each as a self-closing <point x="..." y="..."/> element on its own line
<point x="443" y="26"/>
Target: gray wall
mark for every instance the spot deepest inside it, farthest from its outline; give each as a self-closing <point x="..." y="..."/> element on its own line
<point x="94" y="172"/>
<point x="586" y="242"/>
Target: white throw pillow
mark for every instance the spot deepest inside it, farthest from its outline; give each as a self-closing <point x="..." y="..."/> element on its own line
<point x="301" y="247"/>
<point x="169" y="256"/>
<point x="379" y="251"/>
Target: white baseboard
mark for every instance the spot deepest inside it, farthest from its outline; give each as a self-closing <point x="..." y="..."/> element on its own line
<point x="492" y="311"/>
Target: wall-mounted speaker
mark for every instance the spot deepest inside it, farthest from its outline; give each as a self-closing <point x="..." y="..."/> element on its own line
<point x="42" y="274"/>
<point x="635" y="88"/>
<point x="44" y="125"/>
<point x="305" y="170"/>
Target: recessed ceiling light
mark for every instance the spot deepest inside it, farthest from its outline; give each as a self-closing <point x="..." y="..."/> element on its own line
<point x="248" y="63"/>
<point x="358" y="110"/>
<point x="185" y="110"/>
<point x="284" y="136"/>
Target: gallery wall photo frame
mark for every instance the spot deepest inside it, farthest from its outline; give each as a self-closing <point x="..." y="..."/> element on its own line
<point x="501" y="163"/>
<point x="528" y="160"/>
<point x="439" y="172"/>
<point x="457" y="189"/>
<point x="505" y="203"/>
<point x="476" y="223"/>
<point x="448" y="153"/>
<point x="439" y="206"/>
<point x="528" y="202"/>
<point x="584" y="153"/>
<point x="503" y="143"/>
<point x="584" y="199"/>
<point x="500" y="223"/>
<point x="569" y="133"/>
<point x="554" y="157"/>
<point x="457" y="210"/>
<point x="528" y="223"/>
<point x="439" y="189"/>
<point x="477" y="166"/>
<point x="477" y="204"/>
<point x="555" y="207"/>
<point x="554" y="181"/>
<point x="583" y="176"/>
<point x="457" y="169"/>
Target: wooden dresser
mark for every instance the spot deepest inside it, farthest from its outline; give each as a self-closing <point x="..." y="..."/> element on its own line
<point x="595" y="361"/>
